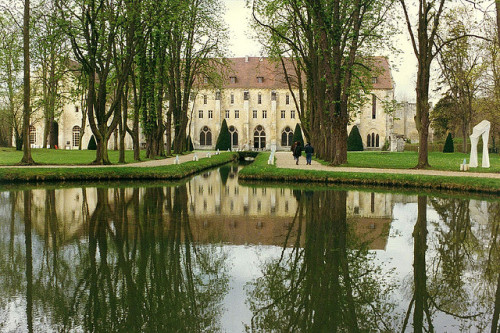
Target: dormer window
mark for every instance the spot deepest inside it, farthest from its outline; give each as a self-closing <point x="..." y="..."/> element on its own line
<point x="233" y="79"/>
<point x="217" y="95"/>
<point x="374" y="79"/>
<point x="260" y="79"/>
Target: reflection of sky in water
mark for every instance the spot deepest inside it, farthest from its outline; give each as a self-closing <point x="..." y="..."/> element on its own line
<point x="244" y="261"/>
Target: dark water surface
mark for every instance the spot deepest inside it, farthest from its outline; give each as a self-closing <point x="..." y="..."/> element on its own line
<point x="212" y="255"/>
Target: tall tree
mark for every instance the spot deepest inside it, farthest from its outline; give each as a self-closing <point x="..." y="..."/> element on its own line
<point x="196" y="37"/>
<point x="328" y="40"/>
<point x="27" y="159"/>
<point x="50" y="58"/>
<point x="462" y="69"/>
<point x="94" y="37"/>
<point x="11" y="50"/>
<point x="426" y="45"/>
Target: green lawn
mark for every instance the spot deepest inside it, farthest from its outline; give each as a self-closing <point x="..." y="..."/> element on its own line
<point x="261" y="171"/>
<point x="407" y="160"/>
<point x="10" y="156"/>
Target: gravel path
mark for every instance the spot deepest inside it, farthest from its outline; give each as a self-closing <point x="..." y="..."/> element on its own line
<point x="285" y="160"/>
<point x="152" y="163"/>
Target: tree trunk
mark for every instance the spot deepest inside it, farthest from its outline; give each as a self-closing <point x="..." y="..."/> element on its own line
<point x="169" y="134"/>
<point x="27" y="159"/>
<point x="422" y="114"/>
<point x="123" y="125"/>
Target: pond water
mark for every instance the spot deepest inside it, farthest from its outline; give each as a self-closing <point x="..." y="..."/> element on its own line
<point x="210" y="254"/>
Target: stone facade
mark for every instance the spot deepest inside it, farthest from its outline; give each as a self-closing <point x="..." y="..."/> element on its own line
<point x="258" y="106"/>
<point x="259" y="109"/>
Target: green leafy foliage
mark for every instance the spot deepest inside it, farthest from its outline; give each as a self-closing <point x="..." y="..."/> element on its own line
<point x="297" y="135"/>
<point x="448" y="145"/>
<point x="354" y="141"/>
<point x="92" y="144"/>
<point x="224" y="139"/>
<point x="189" y="144"/>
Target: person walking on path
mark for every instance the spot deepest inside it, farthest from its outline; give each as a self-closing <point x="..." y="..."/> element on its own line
<point x="309" y="150"/>
<point x="297" y="152"/>
<point x="292" y="149"/>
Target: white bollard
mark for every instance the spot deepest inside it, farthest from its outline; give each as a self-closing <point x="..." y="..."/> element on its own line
<point x="176" y="159"/>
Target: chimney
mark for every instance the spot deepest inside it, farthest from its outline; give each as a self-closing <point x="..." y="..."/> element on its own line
<point x="246" y="58"/>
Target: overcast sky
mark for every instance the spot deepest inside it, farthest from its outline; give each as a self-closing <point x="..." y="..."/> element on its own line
<point x="403" y="65"/>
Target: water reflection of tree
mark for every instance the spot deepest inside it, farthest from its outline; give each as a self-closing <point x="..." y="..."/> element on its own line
<point x="330" y="284"/>
<point x="139" y="270"/>
<point x="440" y="286"/>
<point x="145" y="273"/>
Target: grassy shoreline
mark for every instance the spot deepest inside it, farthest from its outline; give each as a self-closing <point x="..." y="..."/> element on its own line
<point x="261" y="171"/>
<point x="167" y="172"/>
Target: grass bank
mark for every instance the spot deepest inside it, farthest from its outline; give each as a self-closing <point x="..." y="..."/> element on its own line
<point x="408" y="159"/>
<point x="11" y="156"/>
<point x="168" y="172"/>
<point x="260" y="170"/>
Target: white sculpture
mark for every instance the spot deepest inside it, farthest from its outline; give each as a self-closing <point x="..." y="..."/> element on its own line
<point x="176" y="159"/>
<point x="195" y="157"/>
<point x="481" y="129"/>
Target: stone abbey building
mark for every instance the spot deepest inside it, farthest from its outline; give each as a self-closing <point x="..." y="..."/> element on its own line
<point x="255" y="101"/>
<point x="261" y="114"/>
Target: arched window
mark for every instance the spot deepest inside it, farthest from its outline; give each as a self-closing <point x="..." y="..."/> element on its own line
<point x="32" y="134"/>
<point x="373" y="140"/>
<point x="259" y="138"/>
<point x="286" y="137"/>
<point x="205" y="136"/>
<point x="76" y="136"/>
<point x="234" y="136"/>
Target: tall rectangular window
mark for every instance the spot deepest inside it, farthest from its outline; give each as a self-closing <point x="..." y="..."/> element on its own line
<point x="76" y="109"/>
<point x="227" y="114"/>
<point x="283" y="114"/>
<point x="255" y="113"/>
<point x="210" y="114"/>
<point x="292" y="114"/>
<point x="246" y="95"/>
<point x="264" y="114"/>
<point x="374" y="106"/>
<point x="204" y="99"/>
<point x="259" y="98"/>
<point x="236" y="114"/>
<point x="287" y="99"/>
<point x="200" y="114"/>
<point x="232" y="98"/>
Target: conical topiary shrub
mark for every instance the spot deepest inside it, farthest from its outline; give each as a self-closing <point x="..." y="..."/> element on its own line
<point x="354" y="141"/>
<point x="92" y="144"/>
<point x="448" y="145"/>
<point x="224" y="139"/>
<point x="297" y="135"/>
<point x="189" y="144"/>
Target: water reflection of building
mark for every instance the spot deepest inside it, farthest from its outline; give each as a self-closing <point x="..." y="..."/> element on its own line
<point x="220" y="210"/>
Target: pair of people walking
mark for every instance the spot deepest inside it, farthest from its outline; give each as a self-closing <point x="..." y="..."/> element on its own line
<point x="297" y="152"/>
